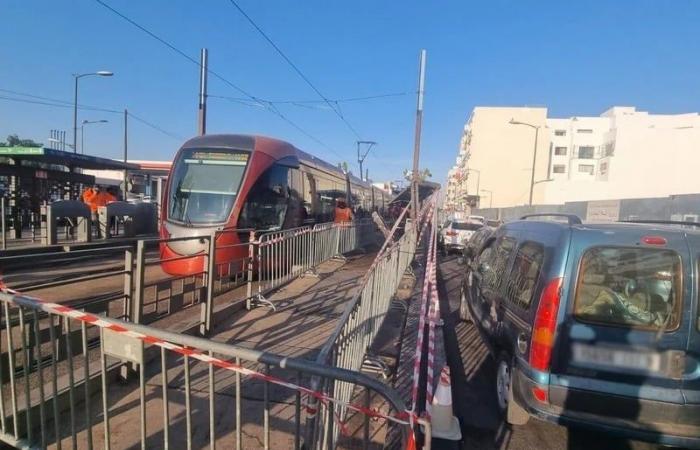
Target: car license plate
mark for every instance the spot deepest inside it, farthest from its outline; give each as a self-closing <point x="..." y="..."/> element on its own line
<point x="609" y="357"/>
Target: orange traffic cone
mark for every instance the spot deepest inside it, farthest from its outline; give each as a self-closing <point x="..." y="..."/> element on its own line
<point x="444" y="424"/>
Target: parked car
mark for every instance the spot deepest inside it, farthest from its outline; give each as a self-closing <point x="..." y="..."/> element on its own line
<point x="454" y="233"/>
<point x="473" y="244"/>
<point x="593" y="325"/>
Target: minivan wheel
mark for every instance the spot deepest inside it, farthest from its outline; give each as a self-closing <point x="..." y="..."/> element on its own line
<point x="509" y="409"/>
<point x="503" y="372"/>
<point x="464" y="313"/>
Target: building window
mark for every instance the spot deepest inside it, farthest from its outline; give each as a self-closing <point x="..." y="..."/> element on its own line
<point x="560" y="151"/>
<point x="560" y="132"/>
<point x="603" y="168"/>
<point x="586" y="152"/>
<point x="586" y="168"/>
<point x="610" y="148"/>
<point x="559" y="168"/>
<point x="584" y="130"/>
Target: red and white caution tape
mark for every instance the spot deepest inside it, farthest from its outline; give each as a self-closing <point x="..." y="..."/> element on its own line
<point x="402" y="418"/>
<point x="430" y="312"/>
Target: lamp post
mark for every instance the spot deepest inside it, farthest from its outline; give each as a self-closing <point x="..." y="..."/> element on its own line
<point x="82" y="131"/>
<point x="77" y="76"/>
<point x="534" y="153"/>
<point x="490" y="197"/>
<point x="478" y="178"/>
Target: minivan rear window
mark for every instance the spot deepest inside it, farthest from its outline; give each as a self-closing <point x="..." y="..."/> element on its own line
<point x="629" y="287"/>
<point x="466" y="226"/>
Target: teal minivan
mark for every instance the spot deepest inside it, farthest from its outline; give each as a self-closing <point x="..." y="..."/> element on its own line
<point x="593" y="325"/>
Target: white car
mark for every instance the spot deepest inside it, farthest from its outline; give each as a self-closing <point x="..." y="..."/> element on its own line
<point x="455" y="233"/>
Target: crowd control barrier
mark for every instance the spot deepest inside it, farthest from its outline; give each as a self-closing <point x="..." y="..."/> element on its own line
<point x="347" y="346"/>
<point x="64" y="386"/>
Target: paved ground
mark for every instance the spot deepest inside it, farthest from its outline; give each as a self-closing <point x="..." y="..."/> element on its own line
<point x="474" y="393"/>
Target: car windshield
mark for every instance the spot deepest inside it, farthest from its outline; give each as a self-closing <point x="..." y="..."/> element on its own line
<point x="466" y="226"/>
<point x="638" y="287"/>
<point x="204" y="185"/>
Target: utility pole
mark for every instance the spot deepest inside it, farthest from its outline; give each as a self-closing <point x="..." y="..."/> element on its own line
<point x="202" y="115"/>
<point x="126" y="154"/>
<point x="361" y="157"/>
<point x="416" y="140"/>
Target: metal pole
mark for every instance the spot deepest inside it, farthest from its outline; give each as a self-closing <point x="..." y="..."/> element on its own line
<point x="202" y="116"/>
<point x="2" y="207"/>
<point x="416" y="140"/>
<point x="126" y="153"/>
<point x="82" y="139"/>
<point x="359" y="159"/>
<point x="534" y="159"/>
<point x="75" y="115"/>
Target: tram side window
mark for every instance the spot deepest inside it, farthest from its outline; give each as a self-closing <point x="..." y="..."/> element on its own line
<point x="308" y="197"/>
<point x="327" y="191"/>
<point x="266" y="206"/>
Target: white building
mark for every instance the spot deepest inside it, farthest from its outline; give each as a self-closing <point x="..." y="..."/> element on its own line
<point x="623" y="153"/>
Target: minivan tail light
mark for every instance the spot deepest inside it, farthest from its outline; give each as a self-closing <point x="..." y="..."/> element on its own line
<point x="544" y="330"/>
<point x="654" y="240"/>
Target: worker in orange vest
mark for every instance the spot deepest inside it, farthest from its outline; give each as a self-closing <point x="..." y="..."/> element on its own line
<point x="343" y="213"/>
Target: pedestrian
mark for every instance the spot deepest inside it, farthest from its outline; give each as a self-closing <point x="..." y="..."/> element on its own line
<point x="343" y="213"/>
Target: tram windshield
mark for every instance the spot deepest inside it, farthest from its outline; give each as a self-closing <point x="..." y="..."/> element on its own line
<point x="204" y="185"/>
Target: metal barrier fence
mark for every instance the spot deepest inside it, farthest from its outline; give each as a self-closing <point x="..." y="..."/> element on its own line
<point x="285" y="255"/>
<point x="256" y="266"/>
<point x="58" y="368"/>
<point x="347" y="346"/>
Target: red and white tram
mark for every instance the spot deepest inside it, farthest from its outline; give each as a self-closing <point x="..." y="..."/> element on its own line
<point x="241" y="182"/>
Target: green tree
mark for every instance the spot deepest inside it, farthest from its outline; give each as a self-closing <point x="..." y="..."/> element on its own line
<point x="14" y="141"/>
<point x="422" y="175"/>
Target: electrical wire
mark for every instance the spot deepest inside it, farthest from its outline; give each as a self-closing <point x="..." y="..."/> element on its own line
<point x="48" y="101"/>
<point x="335" y="108"/>
<point x="268" y="107"/>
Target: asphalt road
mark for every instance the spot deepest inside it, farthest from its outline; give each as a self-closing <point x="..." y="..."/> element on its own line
<point x="473" y="372"/>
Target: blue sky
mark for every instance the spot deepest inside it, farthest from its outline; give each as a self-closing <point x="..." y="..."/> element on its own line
<point x="577" y="58"/>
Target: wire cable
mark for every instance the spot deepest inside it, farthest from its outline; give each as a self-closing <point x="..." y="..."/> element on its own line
<point x="335" y="109"/>
<point x="223" y="79"/>
<point x="48" y="101"/>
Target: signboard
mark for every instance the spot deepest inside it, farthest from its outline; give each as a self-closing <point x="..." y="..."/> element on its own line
<point x="21" y="151"/>
<point x="603" y="211"/>
<point x="121" y="346"/>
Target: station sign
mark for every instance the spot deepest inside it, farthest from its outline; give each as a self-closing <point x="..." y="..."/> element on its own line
<point x="21" y="151"/>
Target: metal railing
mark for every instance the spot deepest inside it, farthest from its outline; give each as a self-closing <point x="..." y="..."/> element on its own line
<point x="59" y="366"/>
<point x="147" y="294"/>
<point x="348" y="344"/>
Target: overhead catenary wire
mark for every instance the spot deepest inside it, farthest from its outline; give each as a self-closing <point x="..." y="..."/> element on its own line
<point x="48" y="101"/>
<point x="336" y="108"/>
<point x="265" y="105"/>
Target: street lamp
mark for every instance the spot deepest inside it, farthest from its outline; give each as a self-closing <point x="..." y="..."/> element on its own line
<point x="490" y="197"/>
<point x="77" y="76"/>
<point x="534" y="153"/>
<point x="82" y="131"/>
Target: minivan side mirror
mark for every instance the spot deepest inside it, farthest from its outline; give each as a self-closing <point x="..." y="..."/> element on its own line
<point x="483" y="267"/>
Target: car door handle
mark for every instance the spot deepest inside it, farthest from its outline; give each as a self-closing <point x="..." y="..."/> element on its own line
<point x="522" y="343"/>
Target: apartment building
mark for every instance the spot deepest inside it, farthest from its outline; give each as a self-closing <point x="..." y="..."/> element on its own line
<point x="623" y="153"/>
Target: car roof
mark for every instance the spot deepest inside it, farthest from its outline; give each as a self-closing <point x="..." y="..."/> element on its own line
<point x="604" y="226"/>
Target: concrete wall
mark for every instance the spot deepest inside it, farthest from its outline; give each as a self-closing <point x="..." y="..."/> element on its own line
<point x="675" y="207"/>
